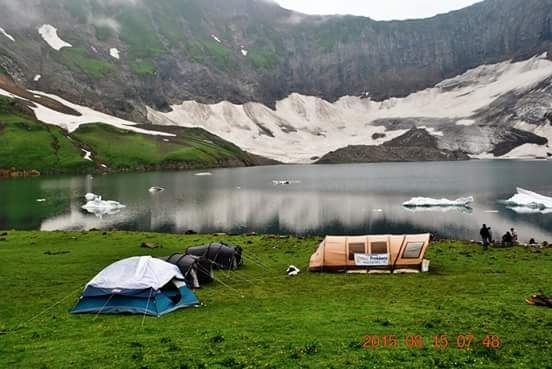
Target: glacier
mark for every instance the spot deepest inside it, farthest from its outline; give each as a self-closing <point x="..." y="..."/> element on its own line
<point x="302" y="128"/>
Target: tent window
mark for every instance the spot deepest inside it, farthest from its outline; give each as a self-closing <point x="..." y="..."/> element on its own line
<point x="355" y="248"/>
<point x="413" y="250"/>
<point x="378" y="247"/>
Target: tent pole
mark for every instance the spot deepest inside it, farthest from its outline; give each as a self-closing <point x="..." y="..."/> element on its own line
<point x="147" y="306"/>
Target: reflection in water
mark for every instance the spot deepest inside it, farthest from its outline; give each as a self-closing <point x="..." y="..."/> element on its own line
<point x="342" y="199"/>
<point x="529" y="210"/>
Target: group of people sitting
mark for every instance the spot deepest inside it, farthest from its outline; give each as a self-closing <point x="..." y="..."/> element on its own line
<point x="510" y="238"/>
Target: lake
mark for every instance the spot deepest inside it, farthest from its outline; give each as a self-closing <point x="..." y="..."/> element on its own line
<point x="322" y="199"/>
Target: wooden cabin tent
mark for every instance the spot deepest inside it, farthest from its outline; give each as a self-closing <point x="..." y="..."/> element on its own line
<point x="385" y="252"/>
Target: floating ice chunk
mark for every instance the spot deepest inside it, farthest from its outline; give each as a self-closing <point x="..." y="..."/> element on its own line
<point x="114" y="53"/>
<point x="214" y="37"/>
<point x="90" y="196"/>
<point x="442" y="209"/>
<point x="49" y="34"/>
<point x="529" y="199"/>
<point x="3" y="31"/>
<point x="278" y="182"/>
<point x="429" y="202"/>
<point x="100" y="207"/>
<point x="204" y="174"/>
<point x="37" y="78"/>
<point x="156" y="189"/>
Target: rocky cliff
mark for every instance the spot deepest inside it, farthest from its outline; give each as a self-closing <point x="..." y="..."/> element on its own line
<point x="128" y="54"/>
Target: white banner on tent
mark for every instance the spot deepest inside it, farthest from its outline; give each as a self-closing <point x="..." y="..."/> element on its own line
<point x="371" y="259"/>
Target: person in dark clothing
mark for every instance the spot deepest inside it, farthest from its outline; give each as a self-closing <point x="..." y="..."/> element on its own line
<point x="507" y="239"/>
<point x="485" y="235"/>
<point x="514" y="236"/>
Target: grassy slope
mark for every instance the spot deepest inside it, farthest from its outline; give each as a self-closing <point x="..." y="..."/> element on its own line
<point x="194" y="147"/>
<point x="262" y="318"/>
<point x="27" y="144"/>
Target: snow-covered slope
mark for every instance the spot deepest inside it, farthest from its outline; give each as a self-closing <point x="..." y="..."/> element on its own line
<point x="71" y="122"/>
<point x="49" y="34"/>
<point x="455" y="110"/>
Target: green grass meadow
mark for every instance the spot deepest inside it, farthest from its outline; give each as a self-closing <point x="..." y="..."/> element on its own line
<point x="258" y="317"/>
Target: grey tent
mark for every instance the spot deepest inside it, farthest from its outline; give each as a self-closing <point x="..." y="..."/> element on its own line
<point x="196" y="270"/>
<point x="222" y="256"/>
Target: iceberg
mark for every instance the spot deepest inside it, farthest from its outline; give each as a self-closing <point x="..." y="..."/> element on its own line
<point x="278" y="182"/>
<point x="429" y="202"/>
<point x="95" y="205"/>
<point x="442" y="209"/>
<point x="529" y="199"/>
<point x="156" y="189"/>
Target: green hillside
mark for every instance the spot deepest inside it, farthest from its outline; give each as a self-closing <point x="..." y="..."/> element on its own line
<point x="27" y="144"/>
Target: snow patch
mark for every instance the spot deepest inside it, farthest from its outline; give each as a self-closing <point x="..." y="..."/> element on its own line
<point x="71" y="122"/>
<point x="528" y="151"/>
<point x="114" y="53"/>
<point x="37" y="78"/>
<point x="10" y="37"/>
<point x="49" y="34"/>
<point x="465" y="122"/>
<point x="87" y="155"/>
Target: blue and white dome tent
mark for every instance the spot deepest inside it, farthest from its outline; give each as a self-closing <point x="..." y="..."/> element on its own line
<point x="137" y="285"/>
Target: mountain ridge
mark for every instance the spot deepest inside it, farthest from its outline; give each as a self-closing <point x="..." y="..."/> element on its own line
<point x="170" y="53"/>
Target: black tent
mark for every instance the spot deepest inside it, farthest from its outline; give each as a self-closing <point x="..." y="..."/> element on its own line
<point x="196" y="270"/>
<point x="222" y="256"/>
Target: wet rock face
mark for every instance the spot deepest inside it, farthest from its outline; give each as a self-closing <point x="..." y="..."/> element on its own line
<point x="511" y="139"/>
<point x="415" y="145"/>
<point x="177" y="58"/>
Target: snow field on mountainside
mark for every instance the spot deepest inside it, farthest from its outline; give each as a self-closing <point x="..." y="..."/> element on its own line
<point x="71" y="122"/>
<point x="302" y="127"/>
<point x="50" y="35"/>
